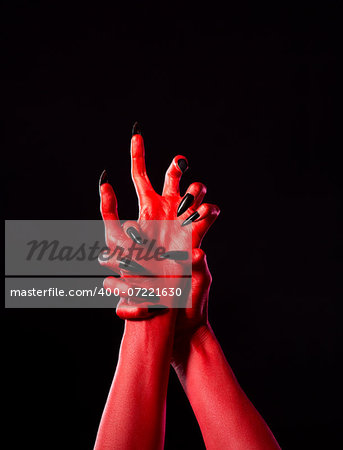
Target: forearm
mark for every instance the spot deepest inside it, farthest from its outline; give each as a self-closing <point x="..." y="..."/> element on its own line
<point x="134" y="414"/>
<point x="227" y="418"/>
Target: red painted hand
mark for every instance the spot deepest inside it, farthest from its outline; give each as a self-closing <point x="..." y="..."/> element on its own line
<point x="167" y="231"/>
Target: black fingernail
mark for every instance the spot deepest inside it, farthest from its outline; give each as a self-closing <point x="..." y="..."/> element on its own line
<point x="176" y="255"/>
<point x="103" y="178"/>
<point x="182" y="163"/>
<point x="151" y="298"/>
<point x="133" y="234"/>
<point x="185" y="203"/>
<point x="157" y="308"/>
<point x="136" y="129"/>
<point x="132" y="266"/>
<point x="190" y="219"/>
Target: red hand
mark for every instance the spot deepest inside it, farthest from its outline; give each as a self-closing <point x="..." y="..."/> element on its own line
<point x="152" y="206"/>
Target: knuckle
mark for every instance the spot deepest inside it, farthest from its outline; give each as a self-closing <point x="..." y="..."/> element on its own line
<point x="174" y="173"/>
<point x="102" y="261"/>
<point x="215" y="210"/>
<point x="210" y="208"/>
<point x="198" y="255"/>
<point x="198" y="187"/>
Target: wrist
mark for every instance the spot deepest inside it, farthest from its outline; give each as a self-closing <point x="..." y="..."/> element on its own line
<point x="156" y="329"/>
<point x="183" y="346"/>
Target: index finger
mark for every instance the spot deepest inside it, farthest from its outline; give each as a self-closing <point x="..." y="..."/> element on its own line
<point x="138" y="169"/>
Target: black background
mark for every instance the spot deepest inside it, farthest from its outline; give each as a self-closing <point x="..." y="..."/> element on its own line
<point x="248" y="95"/>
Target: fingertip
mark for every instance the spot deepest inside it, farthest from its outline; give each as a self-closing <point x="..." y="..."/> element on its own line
<point x="215" y="210"/>
<point x="208" y="209"/>
<point x="198" y="256"/>
<point x="197" y="189"/>
<point x="103" y="183"/>
<point x="106" y="188"/>
<point x="108" y="199"/>
<point x="129" y="312"/>
<point x="177" y="167"/>
<point x="137" y="139"/>
<point x="104" y="257"/>
<point x="137" y="145"/>
<point x="107" y="283"/>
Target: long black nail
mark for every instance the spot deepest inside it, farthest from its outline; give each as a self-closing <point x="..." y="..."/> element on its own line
<point x="136" y="129"/>
<point x="151" y="298"/>
<point x="176" y="255"/>
<point x="103" y="178"/>
<point x="132" y="266"/>
<point x="190" y="219"/>
<point x="157" y="308"/>
<point x="148" y="298"/>
<point x="182" y="163"/>
<point x="133" y="234"/>
<point x="185" y="203"/>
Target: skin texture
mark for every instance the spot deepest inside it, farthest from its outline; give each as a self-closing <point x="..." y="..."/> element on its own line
<point x="134" y="415"/>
